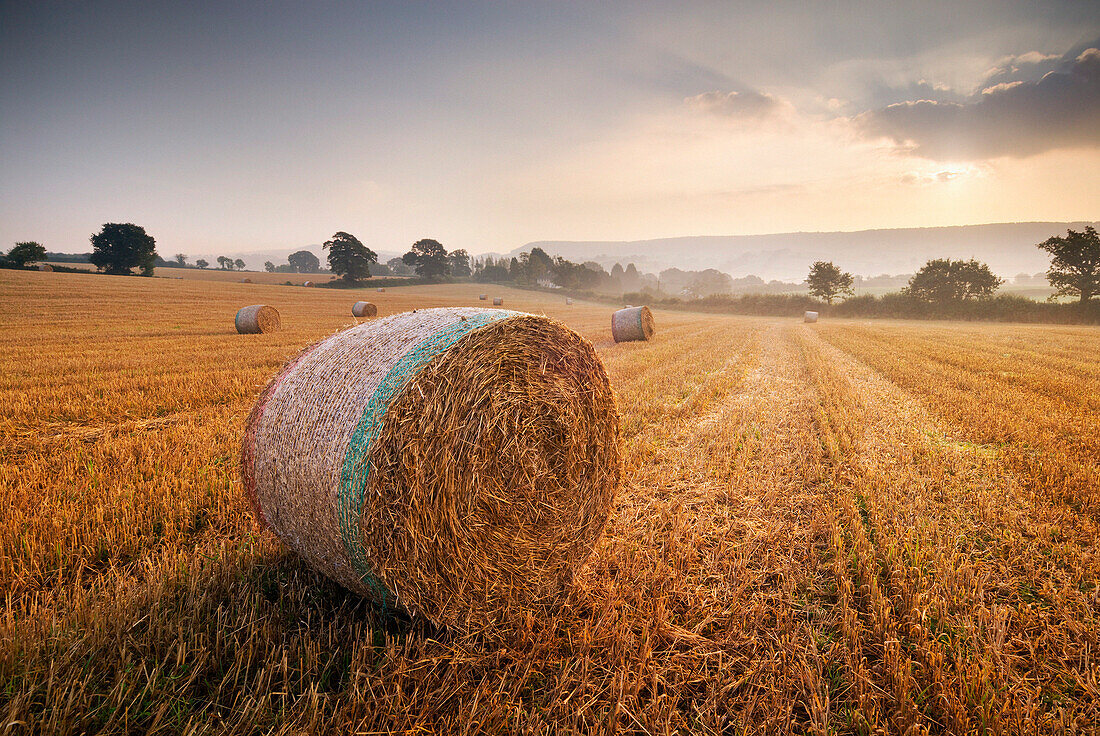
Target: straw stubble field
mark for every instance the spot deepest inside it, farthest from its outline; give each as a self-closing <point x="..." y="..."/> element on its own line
<point x="845" y="527"/>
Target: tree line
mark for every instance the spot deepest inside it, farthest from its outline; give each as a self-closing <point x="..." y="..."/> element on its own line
<point x="537" y="268"/>
<point x="118" y="248"/>
<point x="1074" y="271"/>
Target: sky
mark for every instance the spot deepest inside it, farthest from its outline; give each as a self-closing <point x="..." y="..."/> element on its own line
<point x="250" y="126"/>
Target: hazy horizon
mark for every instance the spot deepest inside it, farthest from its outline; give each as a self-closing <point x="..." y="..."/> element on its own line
<point x="243" y="128"/>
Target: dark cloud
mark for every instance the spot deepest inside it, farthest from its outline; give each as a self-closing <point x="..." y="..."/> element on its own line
<point x="1007" y="117"/>
<point x="747" y="105"/>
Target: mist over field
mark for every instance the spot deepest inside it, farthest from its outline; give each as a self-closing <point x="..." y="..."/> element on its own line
<point x="1008" y="248"/>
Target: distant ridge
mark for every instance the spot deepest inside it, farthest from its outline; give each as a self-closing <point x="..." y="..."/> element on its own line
<point x="1008" y="248"/>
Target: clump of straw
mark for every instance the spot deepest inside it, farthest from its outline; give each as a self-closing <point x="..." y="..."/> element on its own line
<point x="256" y="319"/>
<point x="632" y="324"/>
<point x="460" y="462"/>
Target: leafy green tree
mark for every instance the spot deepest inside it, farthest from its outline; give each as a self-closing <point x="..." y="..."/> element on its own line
<point x="202" y="263"/>
<point x="119" y="247"/>
<point x="239" y="264"/>
<point x="631" y="279"/>
<point x="536" y="265"/>
<point x="225" y="262"/>
<point x="429" y="257"/>
<point x="398" y="267"/>
<point x="490" y="270"/>
<point x="26" y="252"/>
<point x="827" y="282"/>
<point x="459" y="261"/>
<point x="181" y="259"/>
<point x="708" y="282"/>
<point x="575" y="275"/>
<point x="304" y="261"/>
<point x="269" y="266"/>
<point x="349" y="258"/>
<point x="943" y="280"/>
<point x="1075" y="263"/>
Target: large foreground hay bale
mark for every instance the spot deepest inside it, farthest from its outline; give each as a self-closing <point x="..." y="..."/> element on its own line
<point x="257" y="318"/>
<point x="631" y="324"/>
<point x="364" y="309"/>
<point x="809" y="317"/>
<point x="458" y="462"/>
<point x="45" y="267"/>
<point x="498" y="301"/>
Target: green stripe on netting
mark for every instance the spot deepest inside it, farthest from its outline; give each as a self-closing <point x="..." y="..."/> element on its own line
<point x="356" y="469"/>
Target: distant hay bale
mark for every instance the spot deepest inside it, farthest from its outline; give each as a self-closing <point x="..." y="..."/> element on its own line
<point x="364" y="309"/>
<point x="498" y="301"/>
<point x="307" y="283"/>
<point x="457" y="462"/>
<point x="809" y="317"/>
<point x="632" y="324"/>
<point x="45" y="267"/>
<point x="256" y="319"/>
<point x="568" y="301"/>
<point x="381" y="289"/>
<point x="483" y="297"/>
<point x="246" y="281"/>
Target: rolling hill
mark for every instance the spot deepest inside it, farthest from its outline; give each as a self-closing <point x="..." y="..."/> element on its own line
<point x="1008" y="248"/>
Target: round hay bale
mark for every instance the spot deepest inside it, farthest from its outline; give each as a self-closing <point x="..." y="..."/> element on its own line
<point x="632" y="324"/>
<point x="568" y="301"/>
<point x="483" y="297"/>
<point x="246" y="281"/>
<point x="381" y="290"/>
<point x="364" y="309"/>
<point x="307" y="283"/>
<point x="256" y="319"/>
<point x="809" y="317"/>
<point x="457" y="462"/>
<point x="45" y="267"/>
<point x="498" y="301"/>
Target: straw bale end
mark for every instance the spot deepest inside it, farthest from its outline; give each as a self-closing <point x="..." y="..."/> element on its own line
<point x="632" y="324"/>
<point x="256" y="319"/>
<point x="364" y="309"/>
